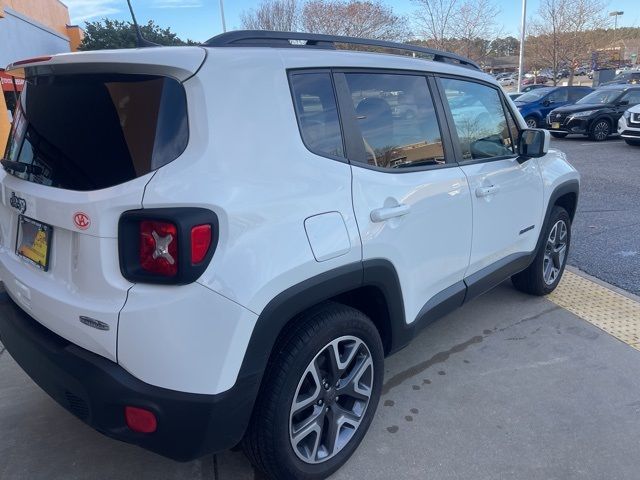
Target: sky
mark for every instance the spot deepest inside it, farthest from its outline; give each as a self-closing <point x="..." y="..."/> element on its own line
<point x="200" y="19"/>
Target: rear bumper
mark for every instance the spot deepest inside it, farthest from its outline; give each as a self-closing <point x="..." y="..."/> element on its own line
<point x="96" y="390"/>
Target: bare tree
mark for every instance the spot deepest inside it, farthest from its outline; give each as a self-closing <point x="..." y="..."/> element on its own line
<point x="435" y="20"/>
<point x="476" y="27"/>
<point x="559" y="35"/>
<point x="279" y="15"/>
<point x="466" y="27"/>
<point x="367" y="19"/>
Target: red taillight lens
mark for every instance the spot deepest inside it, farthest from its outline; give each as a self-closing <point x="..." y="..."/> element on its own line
<point x="159" y="247"/>
<point x="200" y="242"/>
<point x="140" y="420"/>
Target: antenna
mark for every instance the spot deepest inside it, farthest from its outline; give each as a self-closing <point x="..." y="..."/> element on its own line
<point x="140" y="40"/>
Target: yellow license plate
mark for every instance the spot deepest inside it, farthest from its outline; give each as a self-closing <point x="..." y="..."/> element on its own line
<point x="34" y="241"/>
<point x="555" y="125"/>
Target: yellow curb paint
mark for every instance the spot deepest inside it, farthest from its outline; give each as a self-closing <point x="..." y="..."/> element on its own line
<point x="608" y="310"/>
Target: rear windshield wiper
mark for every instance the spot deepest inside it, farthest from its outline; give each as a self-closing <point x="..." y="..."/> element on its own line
<point x="12" y="166"/>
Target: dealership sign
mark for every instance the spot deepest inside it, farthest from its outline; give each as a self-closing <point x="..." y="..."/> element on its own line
<point x="7" y="82"/>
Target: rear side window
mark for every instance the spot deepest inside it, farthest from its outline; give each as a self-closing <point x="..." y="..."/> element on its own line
<point x="397" y="120"/>
<point x="87" y="132"/>
<point x="576" y="94"/>
<point x="315" y="104"/>
<point x="560" y="95"/>
<point x="479" y="119"/>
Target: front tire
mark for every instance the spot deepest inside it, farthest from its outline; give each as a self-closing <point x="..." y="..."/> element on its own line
<point x="532" y="122"/>
<point x="600" y="130"/>
<point x="630" y="141"/>
<point x="318" y="396"/>
<point x="544" y="274"/>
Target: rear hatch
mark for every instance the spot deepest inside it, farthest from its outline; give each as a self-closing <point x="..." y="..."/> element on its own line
<point x="88" y="135"/>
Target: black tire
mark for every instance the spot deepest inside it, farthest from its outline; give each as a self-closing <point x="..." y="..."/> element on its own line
<point x="531" y="280"/>
<point x="630" y="141"/>
<point x="558" y="134"/>
<point x="268" y="443"/>
<point x="600" y="130"/>
<point x="532" y="122"/>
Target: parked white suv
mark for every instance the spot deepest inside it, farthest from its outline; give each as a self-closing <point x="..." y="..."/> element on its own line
<point x="629" y="126"/>
<point x="212" y="245"/>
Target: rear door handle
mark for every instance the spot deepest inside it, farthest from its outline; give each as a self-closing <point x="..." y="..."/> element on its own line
<point x="486" y="191"/>
<point x="385" y="213"/>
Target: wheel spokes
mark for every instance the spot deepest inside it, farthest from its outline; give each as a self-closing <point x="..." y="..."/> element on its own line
<point x="331" y="399"/>
<point x="352" y="386"/>
<point x="313" y="388"/>
<point x="306" y="438"/>
<point x="555" y="252"/>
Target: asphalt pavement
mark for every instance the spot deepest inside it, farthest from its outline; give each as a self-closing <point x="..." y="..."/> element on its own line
<point x="606" y="230"/>
<point x="508" y="387"/>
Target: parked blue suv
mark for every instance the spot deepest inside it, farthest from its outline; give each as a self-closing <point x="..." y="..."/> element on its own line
<point x="536" y="104"/>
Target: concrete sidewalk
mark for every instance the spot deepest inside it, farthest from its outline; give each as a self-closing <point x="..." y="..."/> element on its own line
<point x="509" y="387"/>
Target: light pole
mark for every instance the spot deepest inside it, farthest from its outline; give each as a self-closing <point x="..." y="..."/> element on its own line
<point x="615" y="15"/>
<point x="224" y="24"/>
<point x="522" y="35"/>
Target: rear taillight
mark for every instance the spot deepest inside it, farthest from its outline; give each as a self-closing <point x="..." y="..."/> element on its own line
<point x="159" y="247"/>
<point x="171" y="246"/>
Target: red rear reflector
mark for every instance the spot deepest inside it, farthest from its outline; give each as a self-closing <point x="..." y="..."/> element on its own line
<point x="31" y="60"/>
<point x="159" y="247"/>
<point x="200" y="242"/>
<point x="140" y="420"/>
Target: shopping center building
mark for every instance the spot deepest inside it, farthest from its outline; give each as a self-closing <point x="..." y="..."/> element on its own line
<point x="30" y="28"/>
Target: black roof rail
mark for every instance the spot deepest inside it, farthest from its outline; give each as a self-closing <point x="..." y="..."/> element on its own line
<point x="267" y="38"/>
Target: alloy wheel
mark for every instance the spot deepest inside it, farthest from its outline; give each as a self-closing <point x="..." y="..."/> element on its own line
<point x="331" y="399"/>
<point x="555" y="252"/>
<point x="601" y="130"/>
<point x="532" y="123"/>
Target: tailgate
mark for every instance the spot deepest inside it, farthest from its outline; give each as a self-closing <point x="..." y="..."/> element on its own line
<point x="82" y="277"/>
<point x="89" y="133"/>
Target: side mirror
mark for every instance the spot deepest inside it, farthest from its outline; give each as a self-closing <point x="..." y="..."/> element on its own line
<point x="533" y="143"/>
<point x="546" y="103"/>
<point x="623" y="102"/>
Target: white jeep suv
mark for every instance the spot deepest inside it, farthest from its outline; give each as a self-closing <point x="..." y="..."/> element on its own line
<point x="206" y="246"/>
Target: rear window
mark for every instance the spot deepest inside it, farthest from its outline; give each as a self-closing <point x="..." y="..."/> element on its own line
<point x="87" y="132"/>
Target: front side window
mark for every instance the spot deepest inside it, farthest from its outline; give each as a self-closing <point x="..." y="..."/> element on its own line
<point x="397" y="120"/>
<point x="479" y="118"/>
<point x="317" y="113"/>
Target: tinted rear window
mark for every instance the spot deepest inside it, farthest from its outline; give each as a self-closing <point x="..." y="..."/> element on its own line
<point x="87" y="132"/>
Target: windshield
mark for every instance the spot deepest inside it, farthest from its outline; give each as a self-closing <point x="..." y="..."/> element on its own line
<point x="87" y="132"/>
<point x="534" y="95"/>
<point x="600" y="96"/>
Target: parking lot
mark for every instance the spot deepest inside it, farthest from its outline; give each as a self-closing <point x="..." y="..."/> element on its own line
<point x="509" y="386"/>
<point x="606" y="230"/>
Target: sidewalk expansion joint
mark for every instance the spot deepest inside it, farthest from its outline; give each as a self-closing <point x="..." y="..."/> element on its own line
<point x="610" y="311"/>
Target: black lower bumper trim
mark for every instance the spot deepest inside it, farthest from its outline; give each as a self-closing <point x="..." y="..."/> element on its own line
<point x="96" y="390"/>
<point x="631" y="134"/>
